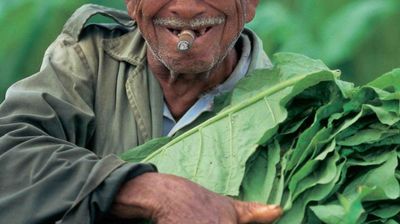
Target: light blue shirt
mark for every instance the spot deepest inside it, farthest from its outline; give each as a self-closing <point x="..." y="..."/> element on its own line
<point x="205" y="102"/>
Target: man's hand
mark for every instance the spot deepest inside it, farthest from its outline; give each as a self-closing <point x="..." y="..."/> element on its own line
<point x="169" y="199"/>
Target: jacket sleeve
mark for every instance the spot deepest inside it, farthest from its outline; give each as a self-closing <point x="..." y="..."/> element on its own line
<point x="46" y="173"/>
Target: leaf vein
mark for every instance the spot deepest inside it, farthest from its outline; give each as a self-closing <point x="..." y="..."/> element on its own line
<point x="270" y="110"/>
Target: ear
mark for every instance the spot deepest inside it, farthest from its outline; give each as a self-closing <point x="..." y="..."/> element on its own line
<point x="131" y="6"/>
<point x="250" y="8"/>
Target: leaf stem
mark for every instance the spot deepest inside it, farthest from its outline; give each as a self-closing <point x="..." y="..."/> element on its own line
<point x="227" y="112"/>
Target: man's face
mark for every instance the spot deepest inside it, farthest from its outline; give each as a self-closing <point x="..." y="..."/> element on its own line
<point x="216" y="23"/>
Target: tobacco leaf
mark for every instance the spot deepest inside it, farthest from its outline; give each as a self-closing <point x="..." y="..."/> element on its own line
<point x="295" y="135"/>
<point x="214" y="154"/>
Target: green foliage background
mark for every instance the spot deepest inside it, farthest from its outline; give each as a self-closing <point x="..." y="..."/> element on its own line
<point x="360" y="37"/>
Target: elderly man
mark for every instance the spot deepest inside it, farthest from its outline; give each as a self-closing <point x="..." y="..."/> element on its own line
<point x="103" y="89"/>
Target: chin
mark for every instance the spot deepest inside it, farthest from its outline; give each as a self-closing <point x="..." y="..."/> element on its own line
<point x="191" y="67"/>
<point x="194" y="62"/>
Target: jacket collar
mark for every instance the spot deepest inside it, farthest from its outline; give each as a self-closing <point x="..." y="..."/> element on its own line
<point x="130" y="47"/>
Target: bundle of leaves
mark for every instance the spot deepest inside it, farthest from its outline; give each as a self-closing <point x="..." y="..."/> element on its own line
<point x="297" y="136"/>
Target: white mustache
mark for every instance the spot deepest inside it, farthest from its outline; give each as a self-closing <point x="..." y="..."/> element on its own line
<point x="191" y="24"/>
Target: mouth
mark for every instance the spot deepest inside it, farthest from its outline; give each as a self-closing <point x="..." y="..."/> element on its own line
<point x="199" y="32"/>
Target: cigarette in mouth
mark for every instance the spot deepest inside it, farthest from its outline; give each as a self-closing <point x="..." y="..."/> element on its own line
<point x="186" y="39"/>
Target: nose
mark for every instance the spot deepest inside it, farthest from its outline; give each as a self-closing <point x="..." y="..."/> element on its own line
<point x="188" y="9"/>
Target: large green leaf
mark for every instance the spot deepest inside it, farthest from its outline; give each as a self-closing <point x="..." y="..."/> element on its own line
<point x="324" y="150"/>
<point x="382" y="178"/>
<point x="259" y="180"/>
<point x="349" y="210"/>
<point x="214" y="154"/>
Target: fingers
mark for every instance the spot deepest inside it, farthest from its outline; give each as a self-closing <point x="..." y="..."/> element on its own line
<point x="250" y="212"/>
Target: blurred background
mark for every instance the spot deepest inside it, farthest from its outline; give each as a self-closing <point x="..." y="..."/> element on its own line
<point x="360" y="37"/>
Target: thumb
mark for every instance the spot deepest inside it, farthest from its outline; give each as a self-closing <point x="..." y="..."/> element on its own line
<point x="249" y="212"/>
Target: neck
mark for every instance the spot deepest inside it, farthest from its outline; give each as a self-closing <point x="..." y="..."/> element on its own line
<point x="181" y="91"/>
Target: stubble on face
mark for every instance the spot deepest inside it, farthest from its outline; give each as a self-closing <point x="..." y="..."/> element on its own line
<point x="207" y="53"/>
<point x="199" y="26"/>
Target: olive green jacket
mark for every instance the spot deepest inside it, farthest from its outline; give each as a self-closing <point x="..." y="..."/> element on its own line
<point x="60" y="129"/>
